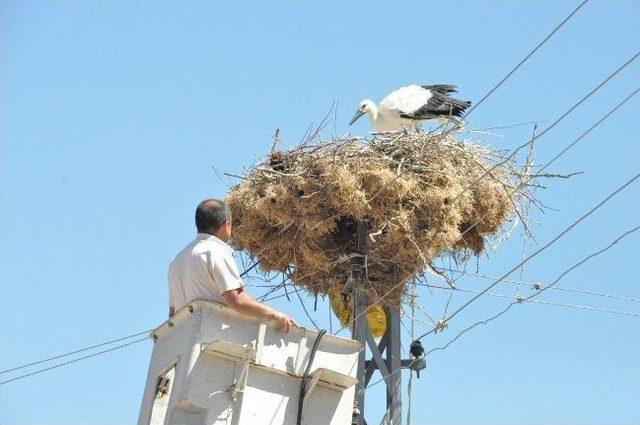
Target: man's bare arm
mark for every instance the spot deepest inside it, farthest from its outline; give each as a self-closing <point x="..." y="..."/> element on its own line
<point x="244" y="303"/>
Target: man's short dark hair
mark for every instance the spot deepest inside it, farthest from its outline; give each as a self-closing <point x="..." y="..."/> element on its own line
<point x="211" y="214"/>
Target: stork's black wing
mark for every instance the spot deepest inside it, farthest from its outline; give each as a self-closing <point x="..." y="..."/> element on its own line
<point x="439" y="104"/>
<point x="442" y="88"/>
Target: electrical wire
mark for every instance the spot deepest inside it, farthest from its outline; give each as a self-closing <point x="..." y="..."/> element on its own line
<point x="80" y="350"/>
<point x="72" y="361"/>
<point x="545" y="302"/>
<point x="505" y="127"/>
<point x="573" y="143"/>
<point x="526" y="58"/>
<point x="540" y="250"/>
<point x="550" y="285"/>
<point x="539" y="284"/>
<point x="548" y="128"/>
<point x="74" y="352"/>
<point x="576" y="265"/>
<point x="304" y="307"/>
<point x="305" y="376"/>
<point x="569" y="146"/>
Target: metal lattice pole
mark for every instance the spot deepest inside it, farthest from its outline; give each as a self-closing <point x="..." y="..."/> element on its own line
<point x="389" y="367"/>
<point x="394" y="382"/>
<point x="360" y="328"/>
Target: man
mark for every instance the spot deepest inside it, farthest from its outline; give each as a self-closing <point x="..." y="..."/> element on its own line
<point x="205" y="269"/>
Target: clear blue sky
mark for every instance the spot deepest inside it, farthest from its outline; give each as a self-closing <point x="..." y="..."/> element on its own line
<point x="114" y="113"/>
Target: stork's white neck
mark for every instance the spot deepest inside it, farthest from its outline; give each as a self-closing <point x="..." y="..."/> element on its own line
<point x="382" y="121"/>
<point x="372" y="115"/>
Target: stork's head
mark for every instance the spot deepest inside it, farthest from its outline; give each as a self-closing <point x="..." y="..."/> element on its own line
<point x="365" y="107"/>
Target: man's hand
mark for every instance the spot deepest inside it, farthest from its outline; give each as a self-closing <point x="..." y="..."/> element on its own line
<point x="283" y="322"/>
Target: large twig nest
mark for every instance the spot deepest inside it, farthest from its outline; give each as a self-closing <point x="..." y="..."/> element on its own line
<point x="422" y="195"/>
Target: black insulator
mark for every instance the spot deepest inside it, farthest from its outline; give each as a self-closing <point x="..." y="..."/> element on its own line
<point x="416" y="349"/>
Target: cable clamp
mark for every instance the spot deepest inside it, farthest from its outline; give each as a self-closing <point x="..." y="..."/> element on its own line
<point x="441" y="325"/>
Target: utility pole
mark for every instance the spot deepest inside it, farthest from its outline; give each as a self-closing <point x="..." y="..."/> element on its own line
<point x="389" y="345"/>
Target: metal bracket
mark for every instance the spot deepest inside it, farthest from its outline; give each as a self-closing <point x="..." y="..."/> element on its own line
<point x="310" y="387"/>
<point x="240" y="383"/>
<point x="380" y="364"/>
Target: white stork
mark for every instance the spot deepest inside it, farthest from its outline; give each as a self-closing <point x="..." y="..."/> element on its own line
<point x="407" y="107"/>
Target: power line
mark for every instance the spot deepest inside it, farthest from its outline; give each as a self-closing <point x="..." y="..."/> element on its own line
<point x="578" y="264"/>
<point x="508" y="307"/>
<point x="535" y="285"/>
<point x="547" y="245"/>
<point x="304" y="307"/>
<point x="527" y="299"/>
<point x="582" y="307"/>
<point x="274" y="297"/>
<point x="506" y="127"/>
<point x="552" y="160"/>
<point x="72" y="361"/>
<point x="520" y="298"/>
<point x="569" y="146"/>
<point x="526" y="58"/>
<point x="548" y="128"/>
<point x="75" y="351"/>
<point x="254" y="265"/>
<point x="12" y="369"/>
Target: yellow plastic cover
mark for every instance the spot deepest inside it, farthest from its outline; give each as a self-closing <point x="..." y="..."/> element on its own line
<point x="376" y="318"/>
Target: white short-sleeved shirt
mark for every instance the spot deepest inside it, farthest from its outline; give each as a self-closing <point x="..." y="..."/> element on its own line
<point x="204" y="269"/>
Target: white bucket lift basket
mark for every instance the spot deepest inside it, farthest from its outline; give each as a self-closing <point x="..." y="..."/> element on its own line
<point x="211" y="365"/>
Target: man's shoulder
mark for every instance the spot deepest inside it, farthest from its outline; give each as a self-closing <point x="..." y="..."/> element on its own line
<point x="198" y="246"/>
<point x="186" y="251"/>
<point x="213" y="246"/>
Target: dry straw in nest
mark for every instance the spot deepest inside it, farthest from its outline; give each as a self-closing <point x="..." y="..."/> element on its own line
<point x="421" y="195"/>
